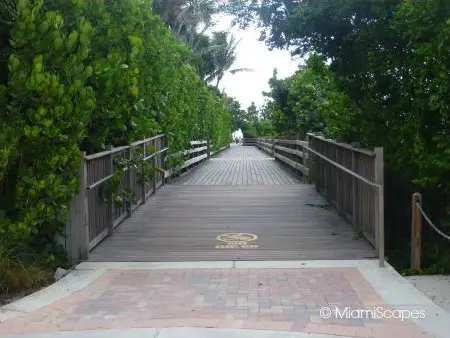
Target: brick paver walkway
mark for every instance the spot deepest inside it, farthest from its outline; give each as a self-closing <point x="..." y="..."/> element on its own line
<point x="266" y="299"/>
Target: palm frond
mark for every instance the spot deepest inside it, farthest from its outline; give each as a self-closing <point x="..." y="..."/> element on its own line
<point x="241" y="70"/>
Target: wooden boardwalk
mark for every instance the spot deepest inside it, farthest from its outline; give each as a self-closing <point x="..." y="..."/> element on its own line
<point x="240" y="166"/>
<point x="240" y="191"/>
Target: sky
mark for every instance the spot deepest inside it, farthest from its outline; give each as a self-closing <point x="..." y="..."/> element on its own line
<point x="248" y="86"/>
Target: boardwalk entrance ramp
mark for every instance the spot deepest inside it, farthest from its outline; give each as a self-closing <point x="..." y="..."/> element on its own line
<point x="240" y="205"/>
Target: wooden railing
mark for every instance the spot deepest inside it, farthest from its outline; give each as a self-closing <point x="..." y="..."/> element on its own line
<point x="214" y="152"/>
<point x="249" y="141"/>
<point x="350" y="179"/>
<point x="291" y="152"/>
<point x="91" y="217"/>
<point x="197" y="153"/>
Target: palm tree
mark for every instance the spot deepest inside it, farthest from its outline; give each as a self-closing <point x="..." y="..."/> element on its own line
<point x="223" y="56"/>
<point x="185" y="17"/>
<point x="189" y="21"/>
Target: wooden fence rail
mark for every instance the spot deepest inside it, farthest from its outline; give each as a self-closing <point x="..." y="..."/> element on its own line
<point x="249" y="141"/>
<point x="92" y="218"/>
<point x="291" y="152"/>
<point x="350" y="179"/>
<point x="197" y="153"/>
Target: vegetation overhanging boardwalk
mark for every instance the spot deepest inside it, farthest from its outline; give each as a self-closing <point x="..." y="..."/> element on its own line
<point x="243" y="191"/>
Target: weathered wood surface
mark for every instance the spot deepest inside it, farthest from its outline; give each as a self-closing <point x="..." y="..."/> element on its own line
<point x="353" y="197"/>
<point x="182" y="221"/>
<point x="240" y="165"/>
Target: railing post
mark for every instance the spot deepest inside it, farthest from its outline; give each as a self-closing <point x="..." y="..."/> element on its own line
<point x="84" y="210"/>
<point x="143" y="184"/>
<point x="307" y="160"/>
<point x="313" y="169"/>
<point x="130" y="181"/>
<point x="208" y="148"/>
<point x="110" y="223"/>
<point x="339" y="185"/>
<point x="354" y="187"/>
<point x="154" y="166"/>
<point x="273" y="147"/>
<point x="164" y="144"/>
<point x="416" y="232"/>
<point x="77" y="229"/>
<point x="379" y="211"/>
<point x="326" y="170"/>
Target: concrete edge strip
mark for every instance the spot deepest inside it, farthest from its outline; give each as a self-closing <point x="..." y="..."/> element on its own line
<point x="179" y="332"/>
<point x="398" y="292"/>
<point x="69" y="284"/>
<point x="228" y="264"/>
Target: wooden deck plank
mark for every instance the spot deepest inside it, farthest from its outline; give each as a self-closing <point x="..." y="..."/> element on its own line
<point x="240" y="190"/>
<point x="240" y="166"/>
<point x="181" y="223"/>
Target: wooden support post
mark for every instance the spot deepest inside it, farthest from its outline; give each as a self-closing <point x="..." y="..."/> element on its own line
<point x="77" y="228"/>
<point x="165" y="155"/>
<point x="154" y="173"/>
<point x="307" y="161"/>
<point x="325" y="171"/>
<point x="340" y="193"/>
<point x="273" y="147"/>
<point x="416" y="232"/>
<point x="379" y="211"/>
<point x="143" y="184"/>
<point x="83" y="214"/>
<point x="355" y="201"/>
<point x="72" y="232"/>
<point x="314" y="168"/>
<point x="163" y="160"/>
<point x="130" y="181"/>
<point x="110" y="171"/>
<point x="208" y="148"/>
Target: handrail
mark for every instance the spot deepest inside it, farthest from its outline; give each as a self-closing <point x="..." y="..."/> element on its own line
<point x="137" y="143"/>
<point x="348" y="171"/>
<point x="416" y="230"/>
<point x="430" y="223"/>
<point x="119" y="149"/>
<point x="343" y="145"/>
<point x="375" y="233"/>
<point x="156" y="153"/>
<point x="101" y="218"/>
<point x="104" y="179"/>
<point x="105" y="153"/>
<point x="358" y="195"/>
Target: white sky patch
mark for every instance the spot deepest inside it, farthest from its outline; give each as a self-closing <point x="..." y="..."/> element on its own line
<point x="248" y="86"/>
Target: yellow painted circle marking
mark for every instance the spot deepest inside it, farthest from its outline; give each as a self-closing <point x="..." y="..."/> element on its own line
<point x="237" y="238"/>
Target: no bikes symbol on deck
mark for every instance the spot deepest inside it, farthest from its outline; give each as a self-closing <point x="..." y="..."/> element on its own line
<point x="236" y="241"/>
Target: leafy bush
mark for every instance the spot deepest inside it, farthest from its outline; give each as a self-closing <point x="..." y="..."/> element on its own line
<point x="84" y="75"/>
<point x="389" y="79"/>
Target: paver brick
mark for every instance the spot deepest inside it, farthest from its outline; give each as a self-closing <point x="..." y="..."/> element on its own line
<point x="266" y="299"/>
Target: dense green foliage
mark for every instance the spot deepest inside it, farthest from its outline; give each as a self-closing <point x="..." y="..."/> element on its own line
<point x="84" y="75"/>
<point x="387" y="85"/>
<point x="310" y="101"/>
<point x="253" y="122"/>
<point x="191" y="21"/>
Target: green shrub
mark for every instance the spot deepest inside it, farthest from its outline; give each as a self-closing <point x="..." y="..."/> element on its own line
<point x="84" y="75"/>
